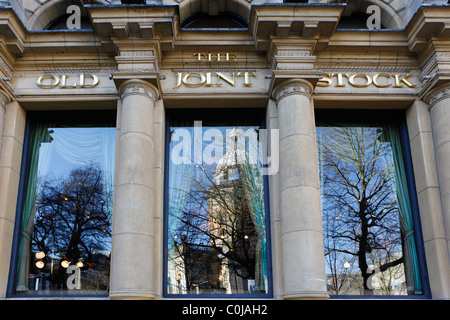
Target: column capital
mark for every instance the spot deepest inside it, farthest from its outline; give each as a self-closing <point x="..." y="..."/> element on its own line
<point x="4" y="99"/>
<point x="139" y="87"/>
<point x="437" y="94"/>
<point x="293" y="86"/>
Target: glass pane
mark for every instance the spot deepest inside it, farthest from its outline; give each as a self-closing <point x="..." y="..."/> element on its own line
<point x="66" y="226"/>
<point x="368" y="234"/>
<point x="216" y="212"/>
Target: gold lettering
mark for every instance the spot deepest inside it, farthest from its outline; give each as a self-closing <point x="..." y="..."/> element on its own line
<point x="197" y="79"/>
<point x="247" y="77"/>
<point x="360" y="75"/>
<point x="340" y="76"/>
<point x="381" y="74"/>
<point x="199" y="56"/>
<point x="398" y="81"/>
<point x="40" y="80"/>
<point x="208" y="82"/>
<point x="325" y="81"/>
<point x="94" y="83"/>
<point x="179" y="74"/>
<point x="63" y="83"/>
<point x="231" y="57"/>
<point x="194" y="74"/>
<point x="221" y="75"/>
<point x="216" y="57"/>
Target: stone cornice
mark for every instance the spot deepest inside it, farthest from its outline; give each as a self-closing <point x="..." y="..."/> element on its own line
<point x="4" y="100"/>
<point x="138" y="87"/>
<point x="12" y="30"/>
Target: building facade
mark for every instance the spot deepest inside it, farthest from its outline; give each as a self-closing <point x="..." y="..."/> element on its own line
<point x="228" y="148"/>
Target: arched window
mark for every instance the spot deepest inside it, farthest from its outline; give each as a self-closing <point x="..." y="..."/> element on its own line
<point x="223" y="20"/>
<point x="357" y="20"/>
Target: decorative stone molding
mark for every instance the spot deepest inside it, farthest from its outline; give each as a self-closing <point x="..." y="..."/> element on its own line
<point x="139" y="87"/>
<point x="438" y="94"/>
<point x="294" y="86"/>
<point x="4" y="100"/>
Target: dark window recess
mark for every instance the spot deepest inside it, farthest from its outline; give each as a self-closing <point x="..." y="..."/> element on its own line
<point x="60" y="23"/>
<point x="133" y="1"/>
<point x="357" y="20"/>
<point x="224" y="20"/>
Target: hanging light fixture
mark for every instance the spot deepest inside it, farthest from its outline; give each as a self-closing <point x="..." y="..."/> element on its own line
<point x="40" y="255"/>
<point x="65" y="263"/>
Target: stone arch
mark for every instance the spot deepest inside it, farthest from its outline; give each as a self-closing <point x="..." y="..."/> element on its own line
<point x="189" y="8"/>
<point x="390" y="17"/>
<point x="390" y="11"/>
<point x="49" y="11"/>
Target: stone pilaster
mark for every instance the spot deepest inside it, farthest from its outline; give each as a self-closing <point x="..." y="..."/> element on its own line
<point x="439" y="106"/>
<point x="300" y="208"/>
<point x="4" y="99"/>
<point x="10" y="166"/>
<point x="132" y="273"/>
<point x="430" y="208"/>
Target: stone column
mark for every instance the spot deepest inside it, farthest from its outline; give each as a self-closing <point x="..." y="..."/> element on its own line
<point x="133" y="235"/>
<point x="303" y="259"/>
<point x="439" y="105"/>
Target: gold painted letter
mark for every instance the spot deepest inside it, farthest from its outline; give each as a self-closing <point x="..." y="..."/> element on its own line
<point x="40" y="80"/>
<point x="398" y="80"/>
<point x="82" y="80"/>
<point x="339" y="77"/>
<point x="179" y="74"/>
<point x="351" y="80"/>
<point x="247" y="76"/>
<point x="379" y="85"/>
<point x="325" y="81"/>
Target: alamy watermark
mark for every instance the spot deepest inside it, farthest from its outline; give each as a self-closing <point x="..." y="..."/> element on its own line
<point x="374" y="20"/>
<point x="235" y="146"/>
<point x="74" y="19"/>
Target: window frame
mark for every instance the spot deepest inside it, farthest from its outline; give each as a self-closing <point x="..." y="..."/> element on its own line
<point x="369" y="116"/>
<point x="209" y="114"/>
<point x="103" y="116"/>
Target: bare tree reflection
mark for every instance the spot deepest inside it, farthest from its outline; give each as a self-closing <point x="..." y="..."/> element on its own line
<point x="72" y="221"/>
<point x="360" y="212"/>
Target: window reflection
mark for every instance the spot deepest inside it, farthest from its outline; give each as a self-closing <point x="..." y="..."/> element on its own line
<point x="216" y="211"/>
<point x="66" y="224"/>
<point x="367" y="220"/>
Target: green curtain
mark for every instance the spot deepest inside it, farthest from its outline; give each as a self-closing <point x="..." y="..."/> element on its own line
<point x="39" y="135"/>
<point x="254" y="183"/>
<point x="392" y="135"/>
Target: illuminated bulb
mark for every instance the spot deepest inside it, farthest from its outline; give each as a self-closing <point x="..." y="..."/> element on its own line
<point x="65" y="263"/>
<point x="40" y="264"/>
<point x="346" y="265"/>
<point x="39" y="255"/>
<point x="79" y="264"/>
<point x="246" y="237"/>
